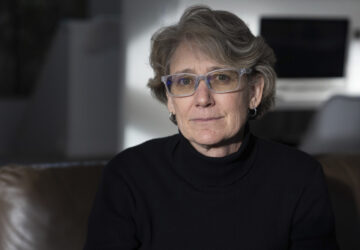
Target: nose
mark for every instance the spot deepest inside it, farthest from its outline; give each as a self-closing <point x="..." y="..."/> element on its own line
<point x="203" y="96"/>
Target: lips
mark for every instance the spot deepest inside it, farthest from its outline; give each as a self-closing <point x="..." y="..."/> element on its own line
<point x="206" y="119"/>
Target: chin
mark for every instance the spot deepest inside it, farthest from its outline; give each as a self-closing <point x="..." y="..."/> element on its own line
<point x="208" y="138"/>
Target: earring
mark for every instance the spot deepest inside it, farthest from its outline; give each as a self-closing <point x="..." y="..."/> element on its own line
<point x="172" y="118"/>
<point x="252" y="113"/>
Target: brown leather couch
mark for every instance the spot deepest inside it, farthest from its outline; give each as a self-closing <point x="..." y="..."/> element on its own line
<point x="45" y="207"/>
<point x="343" y="178"/>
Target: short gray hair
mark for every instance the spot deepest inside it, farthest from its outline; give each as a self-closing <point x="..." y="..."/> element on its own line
<point x="225" y="38"/>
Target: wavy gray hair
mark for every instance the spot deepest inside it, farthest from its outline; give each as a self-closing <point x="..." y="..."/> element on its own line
<point x="225" y="38"/>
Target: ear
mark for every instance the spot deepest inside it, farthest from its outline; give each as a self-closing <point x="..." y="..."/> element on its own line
<point x="170" y="104"/>
<point x="256" y="91"/>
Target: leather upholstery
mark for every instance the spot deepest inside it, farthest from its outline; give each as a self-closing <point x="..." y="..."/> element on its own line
<point x="343" y="178"/>
<point x="45" y="208"/>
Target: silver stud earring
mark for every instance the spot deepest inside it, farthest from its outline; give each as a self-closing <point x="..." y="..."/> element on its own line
<point x="252" y="113"/>
<point x="172" y="118"/>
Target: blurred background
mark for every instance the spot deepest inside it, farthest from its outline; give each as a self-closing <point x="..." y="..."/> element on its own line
<point x="73" y="74"/>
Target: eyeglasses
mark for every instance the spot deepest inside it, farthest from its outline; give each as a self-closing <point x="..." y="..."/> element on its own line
<point x="218" y="81"/>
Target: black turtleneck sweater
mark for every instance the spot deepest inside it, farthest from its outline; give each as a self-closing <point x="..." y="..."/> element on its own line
<point x="164" y="195"/>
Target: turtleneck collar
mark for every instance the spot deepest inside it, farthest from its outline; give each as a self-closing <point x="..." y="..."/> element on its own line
<point x="213" y="172"/>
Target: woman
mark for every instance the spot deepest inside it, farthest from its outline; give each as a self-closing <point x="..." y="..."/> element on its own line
<point x="213" y="185"/>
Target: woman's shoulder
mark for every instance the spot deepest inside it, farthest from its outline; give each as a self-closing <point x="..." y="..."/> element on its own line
<point x="151" y="147"/>
<point x="286" y="158"/>
<point x="282" y="151"/>
<point x="144" y="155"/>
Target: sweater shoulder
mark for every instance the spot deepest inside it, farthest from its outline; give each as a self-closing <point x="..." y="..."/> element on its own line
<point x="144" y="154"/>
<point x="157" y="145"/>
<point x="287" y="159"/>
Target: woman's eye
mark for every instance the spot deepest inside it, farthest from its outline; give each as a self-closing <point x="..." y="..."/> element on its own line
<point x="184" y="81"/>
<point x="222" y="77"/>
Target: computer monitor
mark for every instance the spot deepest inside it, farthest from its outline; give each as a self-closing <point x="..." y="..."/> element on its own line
<point x="307" y="47"/>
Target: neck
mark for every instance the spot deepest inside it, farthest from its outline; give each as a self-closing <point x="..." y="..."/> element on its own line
<point x="222" y="149"/>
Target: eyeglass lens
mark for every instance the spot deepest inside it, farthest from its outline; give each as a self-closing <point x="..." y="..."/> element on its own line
<point x="220" y="82"/>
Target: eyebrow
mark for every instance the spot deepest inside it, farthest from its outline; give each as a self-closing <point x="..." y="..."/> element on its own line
<point x="188" y="70"/>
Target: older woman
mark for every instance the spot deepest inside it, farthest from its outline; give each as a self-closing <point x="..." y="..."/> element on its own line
<point x="214" y="185"/>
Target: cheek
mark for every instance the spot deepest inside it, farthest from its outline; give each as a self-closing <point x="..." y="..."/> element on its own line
<point x="244" y="102"/>
<point x="239" y="118"/>
<point x="239" y="111"/>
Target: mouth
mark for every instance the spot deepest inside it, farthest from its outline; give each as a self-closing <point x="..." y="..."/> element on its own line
<point x="206" y="119"/>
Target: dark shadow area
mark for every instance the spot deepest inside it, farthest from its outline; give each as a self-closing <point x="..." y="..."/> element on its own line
<point x="27" y="29"/>
<point x="346" y="215"/>
<point x="342" y="172"/>
<point x="284" y="126"/>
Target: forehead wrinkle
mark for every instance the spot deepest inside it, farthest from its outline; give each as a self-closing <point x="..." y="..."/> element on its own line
<point x="198" y="53"/>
